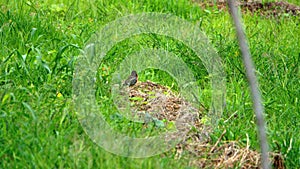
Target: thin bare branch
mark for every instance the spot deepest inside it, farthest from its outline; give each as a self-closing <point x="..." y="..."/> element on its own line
<point x="254" y="88"/>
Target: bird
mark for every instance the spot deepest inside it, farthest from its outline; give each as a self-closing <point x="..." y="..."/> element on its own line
<point x="132" y="79"/>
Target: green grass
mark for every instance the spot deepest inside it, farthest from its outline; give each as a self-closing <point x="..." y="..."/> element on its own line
<point x="41" y="42"/>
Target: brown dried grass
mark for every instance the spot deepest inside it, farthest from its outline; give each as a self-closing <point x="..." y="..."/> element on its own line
<point x="196" y="146"/>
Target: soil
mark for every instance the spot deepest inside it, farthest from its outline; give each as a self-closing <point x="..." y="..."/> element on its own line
<point x="267" y="9"/>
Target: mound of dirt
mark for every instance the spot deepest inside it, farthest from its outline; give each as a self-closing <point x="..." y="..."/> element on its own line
<point x="265" y="9"/>
<point x="196" y="146"/>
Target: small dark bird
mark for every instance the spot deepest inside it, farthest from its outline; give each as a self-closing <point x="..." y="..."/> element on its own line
<point x="132" y="79"/>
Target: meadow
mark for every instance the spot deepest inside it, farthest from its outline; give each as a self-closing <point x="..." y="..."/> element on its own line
<point x="40" y="44"/>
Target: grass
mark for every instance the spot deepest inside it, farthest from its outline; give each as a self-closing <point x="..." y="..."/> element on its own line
<point x="40" y="45"/>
